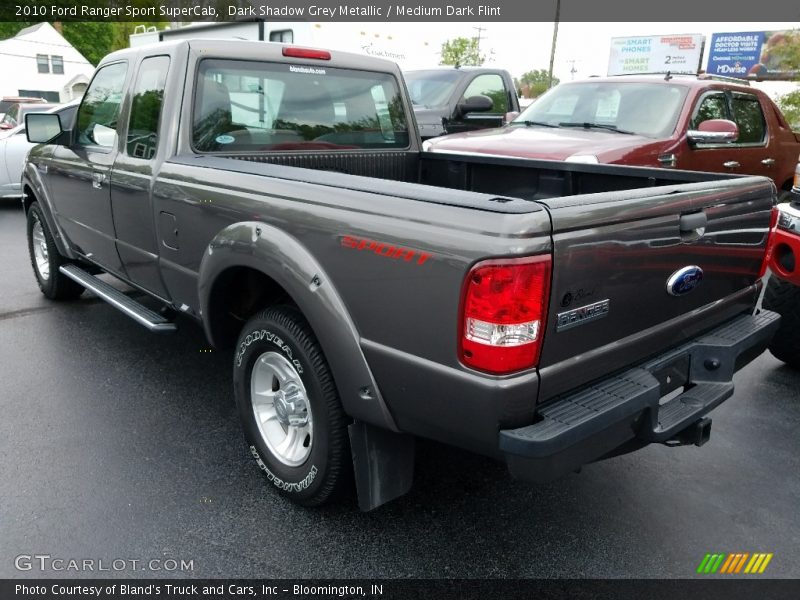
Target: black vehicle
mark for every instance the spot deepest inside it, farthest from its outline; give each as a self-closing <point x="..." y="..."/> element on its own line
<point x="457" y="99"/>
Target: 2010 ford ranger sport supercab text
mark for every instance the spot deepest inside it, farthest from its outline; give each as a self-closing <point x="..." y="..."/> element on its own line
<point x="547" y="314"/>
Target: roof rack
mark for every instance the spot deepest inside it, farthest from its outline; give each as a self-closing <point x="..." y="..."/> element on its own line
<point x="703" y="76"/>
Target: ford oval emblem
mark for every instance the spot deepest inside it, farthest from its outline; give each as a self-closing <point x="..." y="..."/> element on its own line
<point x="684" y="280"/>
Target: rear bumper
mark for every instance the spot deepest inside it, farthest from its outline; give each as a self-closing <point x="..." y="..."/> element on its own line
<point x="583" y="426"/>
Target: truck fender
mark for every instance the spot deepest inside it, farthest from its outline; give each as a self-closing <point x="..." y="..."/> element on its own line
<point x="281" y="257"/>
<point x="32" y="180"/>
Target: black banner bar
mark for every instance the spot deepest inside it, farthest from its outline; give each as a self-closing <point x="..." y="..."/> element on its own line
<point x="397" y="10"/>
<point x="434" y="589"/>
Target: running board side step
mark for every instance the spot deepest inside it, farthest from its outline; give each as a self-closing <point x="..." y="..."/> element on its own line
<point x="138" y="312"/>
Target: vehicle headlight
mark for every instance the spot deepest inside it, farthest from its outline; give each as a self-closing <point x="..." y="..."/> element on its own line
<point x="589" y="159"/>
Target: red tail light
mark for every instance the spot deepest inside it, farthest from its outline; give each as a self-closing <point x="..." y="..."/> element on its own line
<point x="783" y="249"/>
<point x="295" y="52"/>
<point x="503" y="312"/>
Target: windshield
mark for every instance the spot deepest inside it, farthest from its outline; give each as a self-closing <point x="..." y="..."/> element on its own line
<point x="429" y="89"/>
<point x="647" y="109"/>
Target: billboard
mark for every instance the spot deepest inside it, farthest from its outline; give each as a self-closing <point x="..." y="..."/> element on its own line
<point x="752" y="54"/>
<point x="656" y="54"/>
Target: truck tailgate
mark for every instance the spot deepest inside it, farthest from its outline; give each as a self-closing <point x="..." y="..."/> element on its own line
<point x="638" y="272"/>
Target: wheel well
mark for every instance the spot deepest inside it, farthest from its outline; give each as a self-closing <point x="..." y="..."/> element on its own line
<point x="237" y="294"/>
<point x="28" y="198"/>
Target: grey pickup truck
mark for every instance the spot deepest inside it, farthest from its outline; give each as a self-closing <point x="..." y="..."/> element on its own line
<point x="546" y="314"/>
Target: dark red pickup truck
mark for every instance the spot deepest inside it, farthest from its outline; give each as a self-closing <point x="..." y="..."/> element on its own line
<point x="655" y="121"/>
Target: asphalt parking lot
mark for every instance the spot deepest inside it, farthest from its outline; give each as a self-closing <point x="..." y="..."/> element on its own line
<point x="119" y="444"/>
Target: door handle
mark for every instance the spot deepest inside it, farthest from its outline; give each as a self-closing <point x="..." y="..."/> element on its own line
<point x="731" y="164"/>
<point x="97" y="179"/>
<point x="693" y="221"/>
<point x="768" y="162"/>
<point x="693" y="226"/>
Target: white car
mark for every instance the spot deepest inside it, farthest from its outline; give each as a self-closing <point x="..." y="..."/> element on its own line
<point x="14" y="147"/>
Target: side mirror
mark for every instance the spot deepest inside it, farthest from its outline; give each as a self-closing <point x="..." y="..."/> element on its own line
<point x="42" y="128"/>
<point x="473" y="104"/>
<point x="714" y="131"/>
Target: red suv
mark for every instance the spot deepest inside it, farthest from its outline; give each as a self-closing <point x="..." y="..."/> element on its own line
<point x="694" y="123"/>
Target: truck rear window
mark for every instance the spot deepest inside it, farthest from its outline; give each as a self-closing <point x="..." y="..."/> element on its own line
<point x="248" y="106"/>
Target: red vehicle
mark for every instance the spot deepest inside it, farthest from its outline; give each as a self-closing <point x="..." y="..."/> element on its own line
<point x="8" y="101"/>
<point x="694" y="123"/>
<point x="16" y="114"/>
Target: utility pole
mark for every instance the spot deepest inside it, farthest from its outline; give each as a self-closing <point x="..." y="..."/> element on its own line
<point x="478" y="39"/>
<point x="553" y="48"/>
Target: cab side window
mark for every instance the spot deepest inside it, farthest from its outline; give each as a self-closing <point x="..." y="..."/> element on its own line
<point x="98" y="113"/>
<point x="490" y="85"/>
<point x="747" y="114"/>
<point x="148" y="97"/>
<point x="713" y="106"/>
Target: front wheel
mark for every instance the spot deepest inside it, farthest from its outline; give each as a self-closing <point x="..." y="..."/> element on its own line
<point x="289" y="407"/>
<point x="46" y="260"/>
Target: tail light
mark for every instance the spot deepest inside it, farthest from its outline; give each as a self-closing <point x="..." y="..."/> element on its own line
<point x="783" y="248"/>
<point x="503" y="312"/>
<point x="295" y="52"/>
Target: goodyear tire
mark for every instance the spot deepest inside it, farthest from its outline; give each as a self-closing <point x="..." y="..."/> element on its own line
<point x="784" y="298"/>
<point x="293" y="421"/>
<point x="46" y="260"/>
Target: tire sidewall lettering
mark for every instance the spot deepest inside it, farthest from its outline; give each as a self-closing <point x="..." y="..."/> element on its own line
<point x="268" y="336"/>
<point x="286" y="486"/>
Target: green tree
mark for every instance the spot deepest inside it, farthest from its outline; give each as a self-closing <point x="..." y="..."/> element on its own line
<point x="92" y="39"/>
<point x="534" y="83"/>
<point x="790" y="107"/>
<point x="784" y="49"/>
<point x="462" y="52"/>
<point x="10" y="28"/>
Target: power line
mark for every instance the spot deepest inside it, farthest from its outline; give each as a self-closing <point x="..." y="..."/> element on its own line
<point x="74" y="62"/>
<point x="22" y="39"/>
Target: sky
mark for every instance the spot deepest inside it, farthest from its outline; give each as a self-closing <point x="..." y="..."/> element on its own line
<point x="520" y="47"/>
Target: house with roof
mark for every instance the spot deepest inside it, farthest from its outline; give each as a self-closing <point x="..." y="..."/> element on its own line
<point x="39" y="62"/>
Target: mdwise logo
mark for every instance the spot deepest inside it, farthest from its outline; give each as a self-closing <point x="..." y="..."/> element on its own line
<point x="735" y="564"/>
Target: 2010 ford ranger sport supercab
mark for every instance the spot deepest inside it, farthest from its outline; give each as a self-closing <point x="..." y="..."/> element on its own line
<point x="547" y="314"/>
